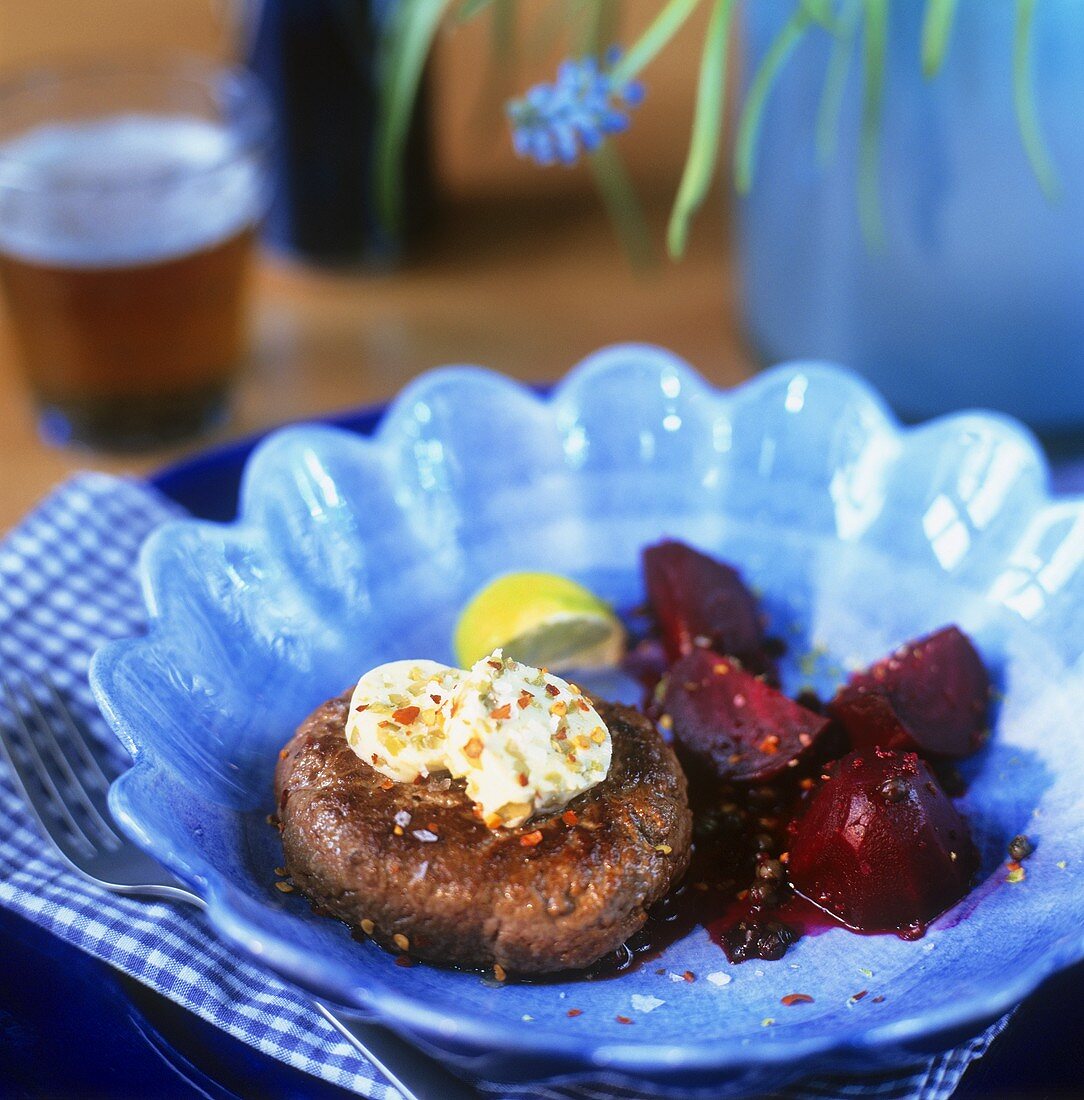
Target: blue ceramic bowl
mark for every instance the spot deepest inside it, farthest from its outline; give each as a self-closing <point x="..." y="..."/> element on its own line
<point x="859" y="535"/>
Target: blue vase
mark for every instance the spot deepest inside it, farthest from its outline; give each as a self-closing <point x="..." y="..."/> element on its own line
<point x="976" y="297"/>
<point x="321" y="61"/>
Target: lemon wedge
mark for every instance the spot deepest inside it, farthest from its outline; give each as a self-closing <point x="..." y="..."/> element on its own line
<point x="539" y="619"/>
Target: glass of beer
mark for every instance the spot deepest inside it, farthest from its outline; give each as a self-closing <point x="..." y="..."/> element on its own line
<point x="129" y="203"/>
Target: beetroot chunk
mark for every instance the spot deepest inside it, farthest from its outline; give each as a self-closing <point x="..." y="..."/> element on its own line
<point x="730" y="725"/>
<point x="881" y="846"/>
<point x="931" y="697"/>
<point x="697" y="600"/>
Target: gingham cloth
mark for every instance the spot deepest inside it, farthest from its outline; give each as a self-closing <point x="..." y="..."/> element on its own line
<point x="68" y="584"/>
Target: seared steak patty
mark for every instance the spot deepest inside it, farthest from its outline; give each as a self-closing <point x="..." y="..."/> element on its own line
<point x="411" y="864"/>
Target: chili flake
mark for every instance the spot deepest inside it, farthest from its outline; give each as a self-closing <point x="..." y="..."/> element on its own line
<point x="387" y="784"/>
<point x="552" y="690"/>
<point x="575" y="1012"/>
<point x="501" y="712"/>
<point x="406" y="716"/>
<point x="529" y="840"/>
<point x="796" y="999"/>
<point x="473" y="748"/>
<point x="569" y="817"/>
<point x="623" y="1019"/>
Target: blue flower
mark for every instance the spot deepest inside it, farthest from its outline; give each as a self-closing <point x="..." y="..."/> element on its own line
<point x="554" y="122"/>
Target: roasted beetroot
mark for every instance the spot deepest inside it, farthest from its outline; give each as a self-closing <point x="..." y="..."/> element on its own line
<point x="931" y="697"/>
<point x="881" y="846"/>
<point x="698" y="601"/>
<point x="730" y="725"/>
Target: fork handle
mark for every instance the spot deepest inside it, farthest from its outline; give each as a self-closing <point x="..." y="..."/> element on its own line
<point x="417" y="1075"/>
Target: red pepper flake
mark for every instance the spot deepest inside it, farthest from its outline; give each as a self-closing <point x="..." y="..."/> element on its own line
<point x="770" y="745"/>
<point x="361" y="707"/>
<point x="283" y="753"/>
<point x="553" y="690"/>
<point x="560" y="735"/>
<point x="431" y="826"/>
<point x="623" y="1019"/>
<point x="404" y="960"/>
<point x="784" y="857"/>
<point x="473" y="748"/>
<point x="796" y="999"/>
<point x="575" y="1012"/>
<point x="501" y="712"/>
<point x="529" y="840"/>
<point x="522" y="779"/>
<point x="689" y="976"/>
<point x="860" y="994"/>
<point x="571" y="758"/>
<point x="495" y="664"/>
<point x="569" y="817"/>
<point x="406" y="716"/>
<point x="878" y="1000"/>
<point x="436" y="699"/>
<point x="387" y="784"/>
<point x="524" y="700"/>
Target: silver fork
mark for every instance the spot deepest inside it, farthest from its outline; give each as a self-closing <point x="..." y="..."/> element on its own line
<point x="65" y="787"/>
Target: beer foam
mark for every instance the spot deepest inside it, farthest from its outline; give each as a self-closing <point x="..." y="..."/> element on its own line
<point x="124" y="189"/>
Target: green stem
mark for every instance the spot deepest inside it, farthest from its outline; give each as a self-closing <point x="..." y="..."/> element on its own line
<point x="835" y="81"/>
<point x="936" y="29"/>
<point x="619" y="197"/>
<point x="875" y="48"/>
<point x="667" y="23"/>
<point x="410" y="40"/>
<point x="1027" y="116"/>
<point x="707" y="126"/>
<point x="763" y="81"/>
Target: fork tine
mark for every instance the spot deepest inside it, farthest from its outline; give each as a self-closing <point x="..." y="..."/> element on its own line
<point x="47" y="804"/>
<point x="95" y="807"/>
<point x="75" y="734"/>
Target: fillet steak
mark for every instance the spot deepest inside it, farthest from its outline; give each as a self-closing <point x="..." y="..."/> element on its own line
<point x="412" y="865"/>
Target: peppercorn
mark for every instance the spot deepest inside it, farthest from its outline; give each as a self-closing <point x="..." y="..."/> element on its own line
<point x="771" y="870"/>
<point x="894" y="789"/>
<point x="1020" y="847"/>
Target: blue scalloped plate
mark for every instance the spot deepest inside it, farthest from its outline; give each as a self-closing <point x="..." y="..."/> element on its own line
<point x="352" y="551"/>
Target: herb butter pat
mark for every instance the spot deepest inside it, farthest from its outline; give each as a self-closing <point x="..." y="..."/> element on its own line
<point x="525" y="741"/>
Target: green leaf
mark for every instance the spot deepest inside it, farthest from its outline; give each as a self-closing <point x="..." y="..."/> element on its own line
<point x="753" y="111"/>
<point x="410" y="39"/>
<point x="1026" y="115"/>
<point x="835" y="80"/>
<point x="471" y="8"/>
<point x="821" y="12"/>
<point x="622" y="205"/>
<point x="667" y="23"/>
<point x="875" y="46"/>
<point x="707" y="125"/>
<point x="936" y="29"/>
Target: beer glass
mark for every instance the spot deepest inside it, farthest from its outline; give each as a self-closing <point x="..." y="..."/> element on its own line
<point x="129" y="203"/>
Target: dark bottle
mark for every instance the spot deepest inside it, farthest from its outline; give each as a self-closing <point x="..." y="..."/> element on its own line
<point x="321" y="61"/>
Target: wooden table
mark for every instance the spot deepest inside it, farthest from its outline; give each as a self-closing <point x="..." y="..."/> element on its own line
<point x="526" y="286"/>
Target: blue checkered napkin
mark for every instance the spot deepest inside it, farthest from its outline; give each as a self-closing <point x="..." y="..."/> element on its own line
<point x="67" y="585"/>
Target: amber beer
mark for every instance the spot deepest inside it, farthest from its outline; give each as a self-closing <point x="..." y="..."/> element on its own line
<point x="123" y="261"/>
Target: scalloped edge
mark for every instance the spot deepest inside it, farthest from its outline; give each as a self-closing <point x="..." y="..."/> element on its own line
<point x="963" y="1016"/>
